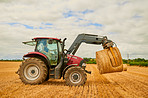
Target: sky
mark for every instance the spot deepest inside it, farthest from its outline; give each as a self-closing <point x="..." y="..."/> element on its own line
<point x="123" y="21"/>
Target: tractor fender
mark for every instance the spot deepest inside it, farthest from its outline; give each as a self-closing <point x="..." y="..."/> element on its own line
<point x="40" y="56"/>
<point x="63" y="73"/>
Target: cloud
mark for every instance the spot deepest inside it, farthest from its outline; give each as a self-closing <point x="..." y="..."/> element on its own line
<point x="123" y="21"/>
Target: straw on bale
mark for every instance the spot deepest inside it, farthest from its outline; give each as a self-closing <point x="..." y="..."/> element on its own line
<point x="124" y="67"/>
<point x="106" y="60"/>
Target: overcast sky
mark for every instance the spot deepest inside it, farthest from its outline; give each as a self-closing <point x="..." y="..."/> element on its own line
<point x="123" y="21"/>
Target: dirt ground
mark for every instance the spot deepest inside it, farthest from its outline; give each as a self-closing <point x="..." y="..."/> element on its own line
<point x="130" y="84"/>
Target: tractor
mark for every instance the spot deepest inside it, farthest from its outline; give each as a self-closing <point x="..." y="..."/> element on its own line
<point x="51" y="60"/>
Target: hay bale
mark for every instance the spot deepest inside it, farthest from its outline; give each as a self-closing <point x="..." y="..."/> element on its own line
<point x="106" y="61"/>
<point x="119" y="55"/>
<point x="102" y="61"/>
<point x="124" y="67"/>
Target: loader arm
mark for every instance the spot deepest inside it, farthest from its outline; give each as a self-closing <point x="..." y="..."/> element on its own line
<point x="89" y="39"/>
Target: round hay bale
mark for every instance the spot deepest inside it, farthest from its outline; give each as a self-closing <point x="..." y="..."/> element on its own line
<point x="124" y="67"/>
<point x="119" y="55"/>
<point x="111" y="58"/>
<point x="100" y="60"/>
<point x="119" y="66"/>
<point x="103" y="61"/>
<point x="106" y="62"/>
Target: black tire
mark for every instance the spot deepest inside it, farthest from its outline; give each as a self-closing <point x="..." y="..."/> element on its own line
<point x="33" y="71"/>
<point x="75" y="76"/>
<point x="47" y="78"/>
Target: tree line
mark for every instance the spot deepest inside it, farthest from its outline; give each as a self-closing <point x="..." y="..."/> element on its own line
<point x="136" y="61"/>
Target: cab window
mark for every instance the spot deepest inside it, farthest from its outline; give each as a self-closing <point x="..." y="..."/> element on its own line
<point x="49" y="48"/>
<point x="52" y="51"/>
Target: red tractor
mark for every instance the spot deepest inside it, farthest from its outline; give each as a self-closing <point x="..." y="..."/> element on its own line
<point x="51" y="60"/>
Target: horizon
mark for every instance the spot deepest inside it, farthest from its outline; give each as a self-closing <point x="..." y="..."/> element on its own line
<point x="82" y="57"/>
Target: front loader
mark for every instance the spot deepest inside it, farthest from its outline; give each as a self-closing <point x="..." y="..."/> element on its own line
<point x="51" y="60"/>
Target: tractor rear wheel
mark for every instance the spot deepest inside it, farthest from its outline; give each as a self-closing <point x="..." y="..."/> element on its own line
<point x="75" y="76"/>
<point x="33" y="71"/>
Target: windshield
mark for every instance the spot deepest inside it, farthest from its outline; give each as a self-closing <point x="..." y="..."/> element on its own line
<point x="30" y="43"/>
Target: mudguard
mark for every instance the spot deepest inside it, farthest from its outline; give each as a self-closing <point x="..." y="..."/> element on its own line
<point x="38" y="55"/>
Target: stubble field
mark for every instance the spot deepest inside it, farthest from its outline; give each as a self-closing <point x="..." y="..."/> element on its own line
<point x="128" y="84"/>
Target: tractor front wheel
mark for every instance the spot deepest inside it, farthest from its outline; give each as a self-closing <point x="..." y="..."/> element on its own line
<point x="75" y="76"/>
<point x="33" y="71"/>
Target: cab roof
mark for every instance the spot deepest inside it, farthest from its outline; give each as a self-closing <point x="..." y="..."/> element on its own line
<point x="46" y="38"/>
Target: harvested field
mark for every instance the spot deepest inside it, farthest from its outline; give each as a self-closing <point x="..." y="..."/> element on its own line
<point x="132" y="83"/>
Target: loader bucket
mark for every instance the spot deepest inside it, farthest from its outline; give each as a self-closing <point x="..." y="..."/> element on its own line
<point x="109" y="60"/>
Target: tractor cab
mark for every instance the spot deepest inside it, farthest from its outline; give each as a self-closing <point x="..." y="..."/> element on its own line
<point x="50" y="47"/>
